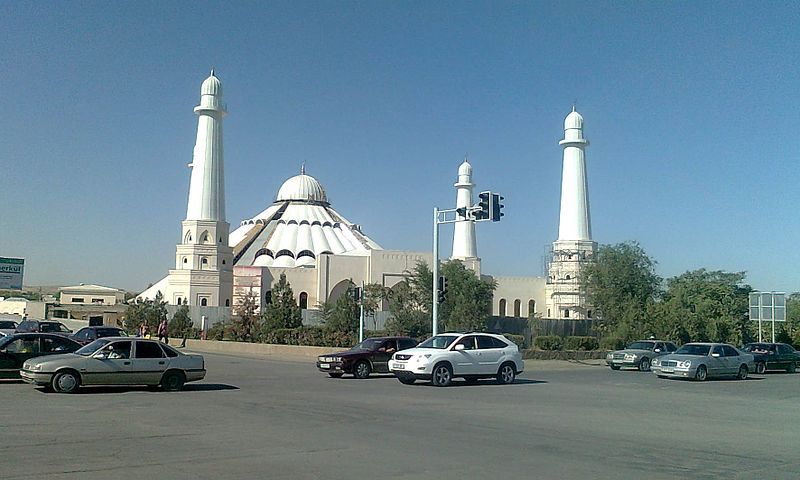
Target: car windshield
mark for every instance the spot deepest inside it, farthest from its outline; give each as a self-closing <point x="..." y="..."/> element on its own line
<point x="369" y="344"/>
<point x="641" y="346"/>
<point x="52" y="327"/>
<point x="439" y="341"/>
<point x="701" y="350"/>
<point x="7" y="324"/>
<point x="92" y="347"/>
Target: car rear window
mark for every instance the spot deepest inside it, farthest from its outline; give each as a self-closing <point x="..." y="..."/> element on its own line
<point x="110" y="332"/>
<point x="171" y="352"/>
<point x="146" y="349"/>
<point x="7" y="324"/>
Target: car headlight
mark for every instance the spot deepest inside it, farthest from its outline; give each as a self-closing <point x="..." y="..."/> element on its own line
<point x="609" y="356"/>
<point x="630" y="356"/>
<point x="686" y="364"/>
<point x="655" y="362"/>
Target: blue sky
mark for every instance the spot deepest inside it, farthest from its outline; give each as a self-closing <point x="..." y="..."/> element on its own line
<point x="691" y="109"/>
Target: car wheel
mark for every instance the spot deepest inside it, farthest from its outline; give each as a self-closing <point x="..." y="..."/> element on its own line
<point x="442" y="375"/>
<point x="615" y="367"/>
<point x="361" y="370"/>
<point x="644" y="365"/>
<point x="761" y="367"/>
<point x="701" y="373"/>
<point x="506" y="374"/>
<point x="407" y="380"/>
<point x="791" y="368"/>
<point x="335" y="375"/>
<point x="172" y="381"/>
<point x="66" y="382"/>
<point x="742" y="375"/>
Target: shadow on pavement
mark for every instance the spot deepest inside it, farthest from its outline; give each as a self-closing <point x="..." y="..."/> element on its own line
<point x="108" y="389"/>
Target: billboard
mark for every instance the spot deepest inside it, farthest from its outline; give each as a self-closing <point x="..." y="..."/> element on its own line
<point x="11" y="270"/>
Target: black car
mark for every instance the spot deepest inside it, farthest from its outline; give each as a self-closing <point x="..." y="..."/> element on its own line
<point x="43" y="326"/>
<point x="89" y="334"/>
<point x="773" y="356"/>
<point x="371" y="355"/>
<point x="16" y="348"/>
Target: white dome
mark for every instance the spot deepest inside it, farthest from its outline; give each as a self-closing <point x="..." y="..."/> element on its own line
<point x="302" y="187"/>
<point x="211" y="86"/>
<point x="573" y="120"/>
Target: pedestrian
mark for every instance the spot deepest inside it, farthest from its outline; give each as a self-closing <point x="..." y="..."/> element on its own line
<point x="163" y="331"/>
<point x="144" y="330"/>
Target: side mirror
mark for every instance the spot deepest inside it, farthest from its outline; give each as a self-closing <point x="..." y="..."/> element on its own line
<point x="459" y="347"/>
<point x="715" y="355"/>
<point x="657" y="350"/>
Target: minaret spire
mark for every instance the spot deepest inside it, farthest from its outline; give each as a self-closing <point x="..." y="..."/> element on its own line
<point x="464" y="244"/>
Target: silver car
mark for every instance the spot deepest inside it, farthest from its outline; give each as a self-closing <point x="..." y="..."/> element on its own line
<point x="115" y="361"/>
<point x="639" y="354"/>
<point x="700" y="361"/>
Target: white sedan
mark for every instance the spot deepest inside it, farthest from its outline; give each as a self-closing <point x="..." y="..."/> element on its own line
<point x="115" y="361"/>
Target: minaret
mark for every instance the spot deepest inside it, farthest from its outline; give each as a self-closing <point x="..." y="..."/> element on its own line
<point x="574" y="247"/>
<point x="464" y="245"/>
<point x="203" y="274"/>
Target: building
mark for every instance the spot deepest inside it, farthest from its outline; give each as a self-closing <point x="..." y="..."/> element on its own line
<point x="95" y="304"/>
<point x="301" y="235"/>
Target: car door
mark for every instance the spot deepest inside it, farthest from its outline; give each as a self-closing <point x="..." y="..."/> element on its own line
<point x="149" y="363"/>
<point x="380" y="359"/>
<point x="716" y="362"/>
<point x="110" y="365"/>
<point x="732" y="360"/>
<point x="785" y="355"/>
<point x="465" y="360"/>
<point x="490" y="350"/>
<point x="14" y="354"/>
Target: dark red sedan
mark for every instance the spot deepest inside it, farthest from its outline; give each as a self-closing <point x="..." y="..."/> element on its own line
<point x="371" y="355"/>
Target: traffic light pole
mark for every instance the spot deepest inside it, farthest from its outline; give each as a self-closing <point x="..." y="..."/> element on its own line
<point x="435" y="282"/>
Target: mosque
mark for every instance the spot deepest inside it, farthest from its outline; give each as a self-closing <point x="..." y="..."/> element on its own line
<point x="302" y="236"/>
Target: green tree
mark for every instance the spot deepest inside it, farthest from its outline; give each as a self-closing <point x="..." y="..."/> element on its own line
<point x="150" y="312"/>
<point x="373" y="297"/>
<point x="623" y="286"/>
<point x="181" y="325"/>
<point x="409" y="315"/>
<point x="792" y="327"/>
<point x="704" y="305"/>
<point x="246" y="324"/>
<point x="283" y="312"/>
<point x="342" y="314"/>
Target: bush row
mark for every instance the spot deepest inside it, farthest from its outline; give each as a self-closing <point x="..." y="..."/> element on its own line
<point x="554" y="342"/>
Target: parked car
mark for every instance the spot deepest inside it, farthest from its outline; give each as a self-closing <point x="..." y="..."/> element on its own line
<point x="700" y="361"/>
<point x="773" y="356"/>
<point x="371" y="355"/>
<point x="7" y="327"/>
<point x="43" y="326"/>
<point x="471" y="356"/>
<point x="116" y="361"/>
<point x="16" y="348"/>
<point x="88" y="335"/>
<point x="639" y="354"/>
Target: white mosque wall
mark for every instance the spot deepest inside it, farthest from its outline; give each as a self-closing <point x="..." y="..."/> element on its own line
<point x="524" y="290"/>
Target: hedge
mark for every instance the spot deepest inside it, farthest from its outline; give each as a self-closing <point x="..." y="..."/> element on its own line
<point x="580" y="343"/>
<point x="548" y="342"/>
<point x="612" y="343"/>
<point x="518" y="339"/>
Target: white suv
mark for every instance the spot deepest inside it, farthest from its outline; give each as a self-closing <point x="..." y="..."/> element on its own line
<point x="468" y="355"/>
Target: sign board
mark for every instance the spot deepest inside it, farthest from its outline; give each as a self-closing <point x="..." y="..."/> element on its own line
<point x="11" y="270"/>
<point x="768" y="306"/>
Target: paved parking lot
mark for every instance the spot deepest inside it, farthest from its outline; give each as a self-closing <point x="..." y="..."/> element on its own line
<point x="256" y="418"/>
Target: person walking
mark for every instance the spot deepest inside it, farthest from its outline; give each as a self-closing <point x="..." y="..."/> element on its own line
<point x="144" y="330"/>
<point x="163" y="331"/>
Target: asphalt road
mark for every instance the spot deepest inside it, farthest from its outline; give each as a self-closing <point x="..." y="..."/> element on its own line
<point x="256" y="418"/>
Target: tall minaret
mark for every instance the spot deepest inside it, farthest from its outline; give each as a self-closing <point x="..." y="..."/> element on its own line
<point x="203" y="274"/>
<point x="574" y="247"/>
<point x="464" y="245"/>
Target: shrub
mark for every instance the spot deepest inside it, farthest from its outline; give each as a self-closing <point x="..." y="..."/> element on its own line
<point x="548" y="342"/>
<point x="612" y="343"/>
<point x="580" y="343"/>
<point x="518" y="339"/>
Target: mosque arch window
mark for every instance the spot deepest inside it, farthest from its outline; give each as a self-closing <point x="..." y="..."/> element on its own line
<point x="188" y="237"/>
<point x="204" y="238"/>
<point x="227" y="302"/>
<point x="263" y="251"/>
<point x="566" y="313"/>
<point x="220" y="239"/>
<point x="268" y="297"/>
<point x="568" y="277"/>
<point x="303" y="300"/>
<point x="284" y="252"/>
<point x="204" y="262"/>
<point x="502" y="307"/>
<point x="306" y="253"/>
<point x="203" y="302"/>
<point x="531" y="307"/>
<point x="517" y="308"/>
<point x="178" y="301"/>
<point x="223" y="262"/>
<point x="185" y="260"/>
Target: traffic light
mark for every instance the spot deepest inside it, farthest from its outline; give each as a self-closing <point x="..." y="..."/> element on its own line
<point x="441" y="289"/>
<point x="357" y="294"/>
<point x="483" y="206"/>
<point x="496" y="207"/>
